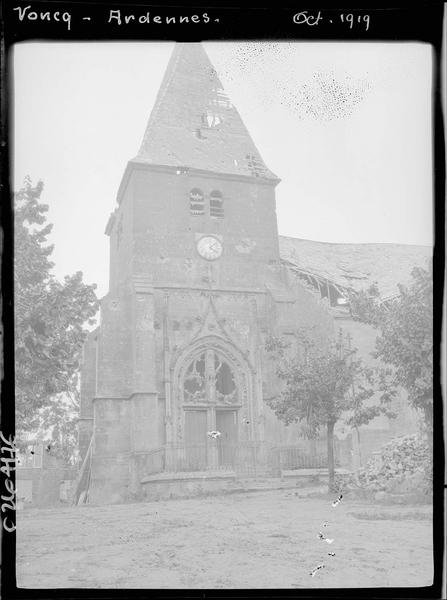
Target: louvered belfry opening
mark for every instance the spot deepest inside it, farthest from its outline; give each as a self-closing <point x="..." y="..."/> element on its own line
<point x="196" y="202"/>
<point x="216" y="205"/>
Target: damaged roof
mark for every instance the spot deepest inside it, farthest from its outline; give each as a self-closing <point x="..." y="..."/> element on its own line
<point x="193" y="123"/>
<point x="356" y="266"/>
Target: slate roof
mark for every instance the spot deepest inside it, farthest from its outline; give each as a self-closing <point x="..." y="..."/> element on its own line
<point x="355" y="266"/>
<point x="193" y="123"/>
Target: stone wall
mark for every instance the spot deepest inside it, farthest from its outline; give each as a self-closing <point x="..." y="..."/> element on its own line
<point x="88" y="392"/>
<point x="164" y="299"/>
<point x="42" y="486"/>
<point x="155" y="234"/>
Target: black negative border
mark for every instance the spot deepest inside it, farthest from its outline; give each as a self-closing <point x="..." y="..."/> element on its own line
<point x="423" y="23"/>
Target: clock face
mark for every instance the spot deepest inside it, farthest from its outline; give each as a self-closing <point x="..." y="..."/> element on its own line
<point x="209" y="247"/>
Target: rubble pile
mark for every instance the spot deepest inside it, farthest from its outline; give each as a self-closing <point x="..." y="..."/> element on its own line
<point x="405" y="466"/>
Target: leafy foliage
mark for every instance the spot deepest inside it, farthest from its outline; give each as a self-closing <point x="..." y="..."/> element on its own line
<point x="322" y="384"/>
<point x="366" y="306"/>
<point x="406" y="335"/>
<point x="59" y="420"/>
<point x="50" y="316"/>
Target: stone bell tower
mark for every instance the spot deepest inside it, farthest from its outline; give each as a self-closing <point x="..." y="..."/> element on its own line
<point x="195" y="285"/>
<point x="197" y="173"/>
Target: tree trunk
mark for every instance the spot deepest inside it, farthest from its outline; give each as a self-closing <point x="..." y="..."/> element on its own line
<point x="330" y="455"/>
<point x="357" y="431"/>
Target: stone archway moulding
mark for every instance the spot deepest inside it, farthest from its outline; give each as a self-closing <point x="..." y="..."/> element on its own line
<point x="244" y="374"/>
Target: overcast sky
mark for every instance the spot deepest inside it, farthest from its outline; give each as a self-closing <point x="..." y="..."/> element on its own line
<point x="347" y="127"/>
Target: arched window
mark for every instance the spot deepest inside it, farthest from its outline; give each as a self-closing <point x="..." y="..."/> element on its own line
<point x="194" y="382"/>
<point x="209" y="378"/>
<point x="196" y="202"/>
<point x="224" y="381"/>
<point x="216" y="204"/>
<point x="211" y="119"/>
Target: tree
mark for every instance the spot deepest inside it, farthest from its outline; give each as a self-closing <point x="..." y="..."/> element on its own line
<point x="323" y="384"/>
<point x="406" y="335"/>
<point x="59" y="422"/>
<point x="50" y="316"/>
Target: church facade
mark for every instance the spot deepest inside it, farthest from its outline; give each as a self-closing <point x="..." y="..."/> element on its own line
<point x="176" y="376"/>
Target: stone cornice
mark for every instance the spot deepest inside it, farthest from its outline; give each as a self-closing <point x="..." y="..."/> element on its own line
<point x="137" y="164"/>
<point x="129" y="397"/>
<point x="187" y="288"/>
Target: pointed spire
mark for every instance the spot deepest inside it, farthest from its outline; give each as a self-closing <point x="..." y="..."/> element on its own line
<point x="193" y="123"/>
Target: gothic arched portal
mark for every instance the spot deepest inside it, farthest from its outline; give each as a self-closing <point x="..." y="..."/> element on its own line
<point x="212" y="393"/>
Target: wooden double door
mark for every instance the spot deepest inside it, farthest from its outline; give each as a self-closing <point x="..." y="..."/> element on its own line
<point x="210" y="402"/>
<point x="203" y="451"/>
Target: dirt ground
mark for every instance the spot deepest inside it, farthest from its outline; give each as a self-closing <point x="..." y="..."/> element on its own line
<point x="266" y="539"/>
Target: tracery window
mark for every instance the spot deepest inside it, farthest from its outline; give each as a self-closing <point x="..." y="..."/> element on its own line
<point x="224" y="381"/>
<point x="194" y="382"/>
<point x="209" y="379"/>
